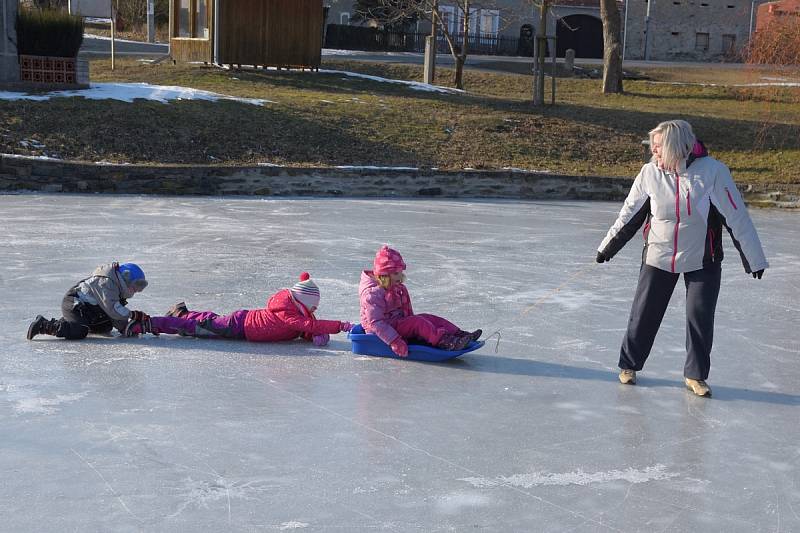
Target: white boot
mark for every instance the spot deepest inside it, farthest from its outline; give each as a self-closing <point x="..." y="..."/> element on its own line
<point x="698" y="386"/>
<point x="627" y="377"/>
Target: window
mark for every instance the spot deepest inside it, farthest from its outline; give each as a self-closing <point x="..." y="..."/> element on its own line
<point x="448" y="17"/>
<point x="183" y="19"/>
<point x="192" y="20"/>
<point x="490" y="22"/>
<point x="676" y="3"/>
<point x="344" y="18"/>
<point x="676" y="33"/>
<point x="701" y="42"/>
<point x="200" y="20"/>
<point x="728" y="44"/>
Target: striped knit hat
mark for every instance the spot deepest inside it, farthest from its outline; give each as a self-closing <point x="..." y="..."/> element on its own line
<point x="306" y="291"/>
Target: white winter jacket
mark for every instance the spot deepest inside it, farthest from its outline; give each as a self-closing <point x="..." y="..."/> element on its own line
<point x="684" y="214"/>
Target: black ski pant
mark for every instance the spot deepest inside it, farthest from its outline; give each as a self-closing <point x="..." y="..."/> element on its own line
<point x="80" y="318"/>
<point x="649" y="305"/>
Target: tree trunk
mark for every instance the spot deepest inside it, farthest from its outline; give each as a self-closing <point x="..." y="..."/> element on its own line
<point x="612" y="47"/>
<point x="462" y="57"/>
<point x="458" y="80"/>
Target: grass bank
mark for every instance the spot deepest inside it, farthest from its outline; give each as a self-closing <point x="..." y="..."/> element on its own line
<point x="331" y="119"/>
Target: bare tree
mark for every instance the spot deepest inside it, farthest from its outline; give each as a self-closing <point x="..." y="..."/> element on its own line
<point x="612" y="47"/>
<point x="452" y="31"/>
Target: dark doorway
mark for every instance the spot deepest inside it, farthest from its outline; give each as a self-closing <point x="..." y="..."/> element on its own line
<point x="582" y="33"/>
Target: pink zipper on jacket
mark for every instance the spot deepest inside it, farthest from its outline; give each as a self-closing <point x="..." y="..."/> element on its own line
<point x="678" y="217"/>
<point x="730" y="198"/>
<point x="711" y="243"/>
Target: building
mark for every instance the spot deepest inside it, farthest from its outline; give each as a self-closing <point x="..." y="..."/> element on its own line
<point x="576" y="22"/>
<point x="774" y="11"/>
<point x="9" y="63"/>
<point x="691" y="30"/>
<point x="272" y="33"/>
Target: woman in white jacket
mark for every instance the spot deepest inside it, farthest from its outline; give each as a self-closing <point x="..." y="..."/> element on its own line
<point x="684" y="198"/>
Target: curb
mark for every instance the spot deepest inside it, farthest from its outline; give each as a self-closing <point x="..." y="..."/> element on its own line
<point x="20" y="173"/>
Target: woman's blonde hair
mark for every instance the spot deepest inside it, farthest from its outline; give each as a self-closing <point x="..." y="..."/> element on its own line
<point x="385" y="281"/>
<point x="677" y="142"/>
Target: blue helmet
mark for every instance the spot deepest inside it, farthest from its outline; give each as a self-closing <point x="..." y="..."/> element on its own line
<point x="133" y="275"/>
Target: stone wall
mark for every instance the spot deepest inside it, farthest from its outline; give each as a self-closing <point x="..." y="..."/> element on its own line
<point x="28" y="174"/>
<point x="22" y="173"/>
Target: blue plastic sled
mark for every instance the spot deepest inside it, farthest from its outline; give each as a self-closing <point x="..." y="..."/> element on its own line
<point x="370" y="344"/>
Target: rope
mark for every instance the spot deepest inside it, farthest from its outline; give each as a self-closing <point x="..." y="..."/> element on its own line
<point x="576" y="275"/>
<point x="555" y="291"/>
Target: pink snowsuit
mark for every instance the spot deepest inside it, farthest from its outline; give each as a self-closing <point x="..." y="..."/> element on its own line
<point x="281" y="320"/>
<point x="388" y="314"/>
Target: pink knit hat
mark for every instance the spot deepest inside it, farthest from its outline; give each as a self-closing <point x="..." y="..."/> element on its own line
<point x="306" y="291"/>
<point x="387" y="261"/>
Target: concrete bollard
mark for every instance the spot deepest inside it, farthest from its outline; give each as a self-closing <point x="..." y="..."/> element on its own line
<point x="646" y="155"/>
<point x="429" y="68"/>
<point x="569" y="60"/>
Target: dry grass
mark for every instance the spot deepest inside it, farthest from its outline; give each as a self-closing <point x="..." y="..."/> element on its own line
<point x="328" y="119"/>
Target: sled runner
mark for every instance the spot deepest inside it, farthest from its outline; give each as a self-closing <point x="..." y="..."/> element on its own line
<point x="370" y="344"/>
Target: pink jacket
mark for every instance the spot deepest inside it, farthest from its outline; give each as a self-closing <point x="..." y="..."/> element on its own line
<point x="381" y="308"/>
<point x="281" y="320"/>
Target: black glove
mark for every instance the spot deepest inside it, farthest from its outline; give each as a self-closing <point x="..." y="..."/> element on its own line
<point x="601" y="257"/>
<point x="139" y="316"/>
<point x="758" y="274"/>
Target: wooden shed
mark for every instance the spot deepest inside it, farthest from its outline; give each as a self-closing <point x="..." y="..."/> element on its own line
<point x="264" y="33"/>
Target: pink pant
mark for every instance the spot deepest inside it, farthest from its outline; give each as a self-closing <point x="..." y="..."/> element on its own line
<point x="424" y="327"/>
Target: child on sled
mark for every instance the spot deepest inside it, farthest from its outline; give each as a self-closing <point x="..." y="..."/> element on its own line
<point x="386" y="310"/>
<point x="289" y="314"/>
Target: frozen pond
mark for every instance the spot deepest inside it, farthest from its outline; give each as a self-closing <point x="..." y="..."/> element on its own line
<point x="180" y="434"/>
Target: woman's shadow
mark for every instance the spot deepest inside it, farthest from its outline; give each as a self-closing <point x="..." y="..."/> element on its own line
<point x="476" y="362"/>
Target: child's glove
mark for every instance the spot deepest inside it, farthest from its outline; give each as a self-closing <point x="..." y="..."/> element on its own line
<point x="345" y="326"/>
<point x="399" y="347"/>
<point x="321" y="340"/>
<point x="139" y="316"/>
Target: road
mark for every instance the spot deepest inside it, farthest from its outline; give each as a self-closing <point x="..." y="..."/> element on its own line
<point x="94" y="46"/>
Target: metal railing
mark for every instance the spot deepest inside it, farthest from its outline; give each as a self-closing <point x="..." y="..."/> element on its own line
<point x="345" y="37"/>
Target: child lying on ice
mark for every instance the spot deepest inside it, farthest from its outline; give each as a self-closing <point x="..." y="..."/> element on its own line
<point x="289" y="314"/>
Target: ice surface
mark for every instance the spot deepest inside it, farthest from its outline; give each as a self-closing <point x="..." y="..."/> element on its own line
<point x="181" y="434"/>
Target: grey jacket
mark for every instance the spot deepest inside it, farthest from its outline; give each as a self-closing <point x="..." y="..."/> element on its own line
<point x="683" y="215"/>
<point x="107" y="289"/>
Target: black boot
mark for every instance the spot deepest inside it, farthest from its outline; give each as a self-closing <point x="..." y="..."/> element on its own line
<point x="177" y="310"/>
<point x="41" y="326"/>
<point x="473" y="336"/>
<point x="139" y="327"/>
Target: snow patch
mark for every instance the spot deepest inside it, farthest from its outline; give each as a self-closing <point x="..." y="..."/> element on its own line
<point x="460" y="501"/>
<point x="40" y="157"/>
<point x="579" y="477"/>
<point x="293" y="525"/>
<point x="416" y="85"/>
<point x="128" y="92"/>
<point x="368" y="167"/>
<point x="45" y="406"/>
<point x="758" y="84"/>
